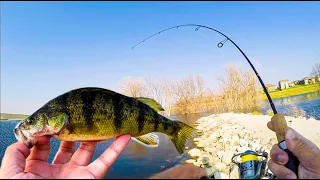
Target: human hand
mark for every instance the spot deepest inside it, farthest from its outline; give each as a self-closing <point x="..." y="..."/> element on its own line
<point x="18" y="162"/>
<point x="306" y="151"/>
<point x="187" y="171"/>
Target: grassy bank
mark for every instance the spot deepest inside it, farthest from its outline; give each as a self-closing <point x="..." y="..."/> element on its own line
<point x="296" y="90"/>
<point x="5" y="116"/>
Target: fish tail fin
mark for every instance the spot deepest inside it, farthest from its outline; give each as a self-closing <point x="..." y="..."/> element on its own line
<point x="180" y="137"/>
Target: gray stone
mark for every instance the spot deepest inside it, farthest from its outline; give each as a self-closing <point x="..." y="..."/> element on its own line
<point x="241" y="134"/>
<point x="200" y="145"/>
<point x="194" y="153"/>
<point x="226" y="157"/>
<point x="220" y="166"/>
<point x="219" y="154"/>
<point x="190" y="161"/>
<point x="243" y="143"/>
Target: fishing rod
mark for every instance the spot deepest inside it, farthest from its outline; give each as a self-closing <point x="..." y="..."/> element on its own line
<point x="278" y="120"/>
<point x="220" y="45"/>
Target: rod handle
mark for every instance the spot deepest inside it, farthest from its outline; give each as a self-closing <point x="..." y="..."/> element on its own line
<point x="280" y="127"/>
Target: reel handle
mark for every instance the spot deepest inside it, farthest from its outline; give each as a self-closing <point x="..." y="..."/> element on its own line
<point x="280" y="127"/>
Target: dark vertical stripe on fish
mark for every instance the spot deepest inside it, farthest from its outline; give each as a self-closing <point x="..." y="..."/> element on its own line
<point x="117" y="121"/>
<point x="156" y="122"/>
<point x="165" y="125"/>
<point x="87" y="108"/>
<point x="141" y="117"/>
<point x="175" y="127"/>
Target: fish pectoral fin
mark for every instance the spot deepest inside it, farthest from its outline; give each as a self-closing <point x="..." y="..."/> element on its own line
<point x="148" y="140"/>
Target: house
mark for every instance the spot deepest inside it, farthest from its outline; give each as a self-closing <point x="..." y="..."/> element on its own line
<point x="308" y="80"/>
<point x="296" y="82"/>
<point x="291" y="84"/>
<point x="317" y="78"/>
<point x="284" y="84"/>
<point x="271" y="87"/>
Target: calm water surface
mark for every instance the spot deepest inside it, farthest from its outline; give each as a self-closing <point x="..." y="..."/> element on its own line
<point x="309" y="103"/>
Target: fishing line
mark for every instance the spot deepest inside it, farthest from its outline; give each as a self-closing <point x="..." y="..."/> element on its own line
<point x="211" y="40"/>
<point x="220" y="45"/>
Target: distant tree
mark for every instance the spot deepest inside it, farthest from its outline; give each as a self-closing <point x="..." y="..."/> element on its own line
<point x="133" y="87"/>
<point x="315" y="69"/>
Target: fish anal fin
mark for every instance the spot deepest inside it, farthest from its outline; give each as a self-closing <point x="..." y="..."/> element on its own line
<point x="148" y="140"/>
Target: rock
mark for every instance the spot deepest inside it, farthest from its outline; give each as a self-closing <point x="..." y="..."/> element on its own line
<point x="197" y="139"/>
<point x="219" y="154"/>
<point x="200" y="145"/>
<point x="162" y="167"/>
<point x="226" y="157"/>
<point x="186" y="148"/>
<point x="224" y="176"/>
<point x="197" y="164"/>
<point x="210" y="150"/>
<point x="241" y="134"/>
<point x="199" y="128"/>
<point x="205" y="160"/>
<point x="190" y="161"/>
<point x="234" y="140"/>
<point x="220" y="166"/>
<point x="242" y="149"/>
<point x="194" y="153"/>
<point x="234" y="174"/>
<point x="255" y="146"/>
<point x="213" y="137"/>
<point x="244" y="143"/>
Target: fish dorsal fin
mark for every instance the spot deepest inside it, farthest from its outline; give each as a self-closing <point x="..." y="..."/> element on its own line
<point x="151" y="102"/>
<point x="148" y="140"/>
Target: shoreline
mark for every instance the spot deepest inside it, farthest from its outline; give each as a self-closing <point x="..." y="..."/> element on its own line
<point x="220" y="136"/>
<point x="291" y="94"/>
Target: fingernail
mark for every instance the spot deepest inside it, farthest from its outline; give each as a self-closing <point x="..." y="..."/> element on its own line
<point x="289" y="176"/>
<point x="291" y="134"/>
<point x="281" y="158"/>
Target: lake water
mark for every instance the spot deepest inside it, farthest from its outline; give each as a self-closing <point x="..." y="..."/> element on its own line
<point x="138" y="161"/>
<point x="309" y="103"/>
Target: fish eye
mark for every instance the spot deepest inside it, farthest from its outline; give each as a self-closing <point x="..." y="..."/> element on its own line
<point x="30" y="120"/>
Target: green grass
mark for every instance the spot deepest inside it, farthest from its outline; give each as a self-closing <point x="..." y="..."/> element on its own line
<point x="13" y="116"/>
<point x="256" y="113"/>
<point x="296" y="90"/>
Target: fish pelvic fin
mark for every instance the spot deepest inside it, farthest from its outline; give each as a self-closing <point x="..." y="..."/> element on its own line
<point x="150" y="140"/>
<point x="180" y="137"/>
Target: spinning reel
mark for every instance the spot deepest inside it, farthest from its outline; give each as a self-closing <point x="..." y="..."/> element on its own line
<point x="251" y="166"/>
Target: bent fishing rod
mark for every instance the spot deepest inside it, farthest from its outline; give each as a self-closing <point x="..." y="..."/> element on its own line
<point x="278" y="120"/>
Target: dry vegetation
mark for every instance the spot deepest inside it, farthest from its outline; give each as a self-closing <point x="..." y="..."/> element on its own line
<point x="238" y="93"/>
<point x="316" y="71"/>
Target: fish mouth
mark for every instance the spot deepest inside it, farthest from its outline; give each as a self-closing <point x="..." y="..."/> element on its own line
<point x="24" y="137"/>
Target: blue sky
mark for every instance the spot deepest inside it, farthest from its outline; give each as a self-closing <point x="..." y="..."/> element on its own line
<point x="48" y="48"/>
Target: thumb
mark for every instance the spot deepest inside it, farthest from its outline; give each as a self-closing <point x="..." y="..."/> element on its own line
<point x="302" y="148"/>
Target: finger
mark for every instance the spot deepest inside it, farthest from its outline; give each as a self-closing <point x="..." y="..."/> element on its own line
<point x="14" y="159"/>
<point x="65" y="152"/>
<point x="83" y="155"/>
<point x="306" y="151"/>
<point x="281" y="171"/>
<point x="100" y="166"/>
<point x="278" y="155"/>
<point x="41" y="150"/>
<point x="270" y="125"/>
